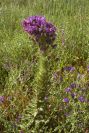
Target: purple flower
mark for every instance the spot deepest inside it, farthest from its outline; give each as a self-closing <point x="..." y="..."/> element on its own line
<point x="61" y="78"/>
<point x="42" y="31"/>
<point x="69" y="68"/>
<point x="66" y="100"/>
<point x="88" y="68"/>
<point x="81" y="99"/>
<point x="2" y="99"/>
<point x="73" y="85"/>
<point x="68" y="89"/>
<point x="73" y="95"/>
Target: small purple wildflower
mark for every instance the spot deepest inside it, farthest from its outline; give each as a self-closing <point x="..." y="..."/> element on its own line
<point x="68" y="89"/>
<point x="66" y="100"/>
<point x="2" y="99"/>
<point x="61" y="78"/>
<point x="88" y="68"/>
<point x="73" y="95"/>
<point x="69" y="68"/>
<point x="73" y="85"/>
<point x="81" y="99"/>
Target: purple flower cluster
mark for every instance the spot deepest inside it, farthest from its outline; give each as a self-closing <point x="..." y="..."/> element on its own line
<point x="43" y="32"/>
<point x="72" y="86"/>
<point x="1" y="99"/>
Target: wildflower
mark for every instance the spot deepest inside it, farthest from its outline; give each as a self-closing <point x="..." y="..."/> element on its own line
<point x="61" y="78"/>
<point x="69" y="68"/>
<point x="38" y="28"/>
<point x="81" y="99"/>
<point x="73" y="85"/>
<point x="68" y="89"/>
<point x="66" y="100"/>
<point x="88" y="68"/>
<point x="73" y="95"/>
<point x="1" y="99"/>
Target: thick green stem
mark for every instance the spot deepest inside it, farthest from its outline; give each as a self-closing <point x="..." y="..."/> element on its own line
<point x="42" y="81"/>
<point x="42" y="88"/>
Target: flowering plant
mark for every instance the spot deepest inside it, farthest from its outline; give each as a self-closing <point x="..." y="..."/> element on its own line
<point x="44" y="34"/>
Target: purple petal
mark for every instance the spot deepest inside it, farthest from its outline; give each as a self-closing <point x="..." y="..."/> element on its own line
<point x="81" y="99"/>
<point x="66" y="100"/>
<point x="68" y="89"/>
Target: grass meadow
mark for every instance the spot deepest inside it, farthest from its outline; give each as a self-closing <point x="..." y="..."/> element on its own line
<point x="68" y="67"/>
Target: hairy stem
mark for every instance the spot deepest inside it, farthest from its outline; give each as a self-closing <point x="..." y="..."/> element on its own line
<point x="42" y="88"/>
<point x="42" y="81"/>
